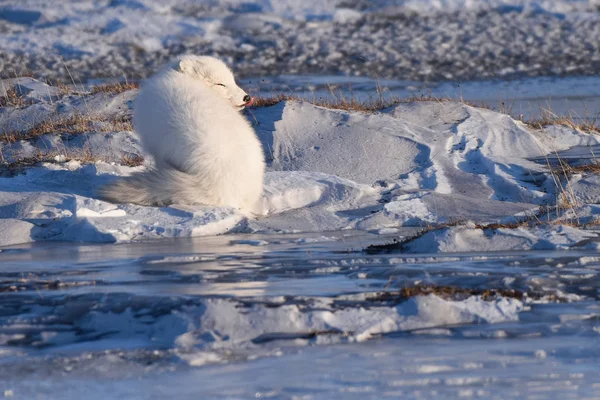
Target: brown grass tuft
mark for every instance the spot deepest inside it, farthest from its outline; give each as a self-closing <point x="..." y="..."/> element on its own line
<point x="339" y="102"/>
<point x="593" y="168"/>
<point x="14" y="98"/>
<point x="114" y="88"/>
<point x="64" y="88"/>
<point x="73" y="124"/>
<point x="446" y="292"/>
<point x="84" y="156"/>
<point x="336" y="104"/>
<point x="272" y="100"/>
<point x="131" y="160"/>
<point x="547" y="120"/>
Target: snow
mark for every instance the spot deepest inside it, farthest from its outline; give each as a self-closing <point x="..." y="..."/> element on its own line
<point x="213" y="329"/>
<point x="546" y="5"/>
<point x="466" y="239"/>
<point x="413" y="164"/>
<point x="487" y="287"/>
<point x="522" y="97"/>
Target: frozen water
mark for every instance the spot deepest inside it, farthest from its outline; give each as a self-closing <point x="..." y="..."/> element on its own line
<point x="328" y="294"/>
<point x="223" y="318"/>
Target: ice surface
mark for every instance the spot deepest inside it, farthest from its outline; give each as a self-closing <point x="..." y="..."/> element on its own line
<point x="219" y="317"/>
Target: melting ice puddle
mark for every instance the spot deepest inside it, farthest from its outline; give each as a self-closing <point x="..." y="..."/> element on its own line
<point x="296" y="317"/>
<point x="530" y="98"/>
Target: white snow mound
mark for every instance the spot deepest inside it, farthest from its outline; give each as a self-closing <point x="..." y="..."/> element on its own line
<point x="413" y="164"/>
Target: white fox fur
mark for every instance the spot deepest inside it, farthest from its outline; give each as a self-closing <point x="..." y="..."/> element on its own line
<point x="188" y="118"/>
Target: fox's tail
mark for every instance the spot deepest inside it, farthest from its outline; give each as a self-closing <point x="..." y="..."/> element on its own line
<point x="150" y="188"/>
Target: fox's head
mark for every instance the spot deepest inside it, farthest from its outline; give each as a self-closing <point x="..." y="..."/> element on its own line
<point x="217" y="76"/>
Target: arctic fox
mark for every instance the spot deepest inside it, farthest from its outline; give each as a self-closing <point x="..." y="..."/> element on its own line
<point x="188" y="118"/>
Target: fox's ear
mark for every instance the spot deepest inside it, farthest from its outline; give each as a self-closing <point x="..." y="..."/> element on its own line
<point x="185" y="66"/>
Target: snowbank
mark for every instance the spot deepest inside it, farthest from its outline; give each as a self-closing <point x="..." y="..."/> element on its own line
<point x="413" y="164"/>
<point x="471" y="239"/>
<point x="211" y="330"/>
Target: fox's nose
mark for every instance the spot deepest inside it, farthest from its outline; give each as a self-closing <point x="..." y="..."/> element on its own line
<point x="247" y="98"/>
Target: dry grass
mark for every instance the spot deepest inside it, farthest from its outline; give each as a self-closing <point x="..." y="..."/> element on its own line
<point x="593" y="168"/>
<point x="64" y="88"/>
<point x="340" y="102"/>
<point x="446" y="292"/>
<point x="380" y="102"/>
<point x="457" y="293"/>
<point x="131" y="160"/>
<point x="114" y="88"/>
<point x="542" y="218"/>
<point x="72" y="124"/>
<point x="352" y="104"/>
<point x="590" y="126"/>
<point x="273" y="100"/>
<point x="533" y="220"/>
<point x="566" y="198"/>
<point x="14" y="98"/>
<point x="84" y="156"/>
<point x="119" y="124"/>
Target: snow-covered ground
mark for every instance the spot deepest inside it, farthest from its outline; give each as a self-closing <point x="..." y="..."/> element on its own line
<point x="414" y="251"/>
<point x="402" y="39"/>
<point x="412" y="164"/>
<point x="426" y="249"/>
<point x="525" y="98"/>
<point x="415" y="164"/>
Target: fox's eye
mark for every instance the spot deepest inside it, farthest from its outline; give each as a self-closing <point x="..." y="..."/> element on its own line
<point x="219" y="84"/>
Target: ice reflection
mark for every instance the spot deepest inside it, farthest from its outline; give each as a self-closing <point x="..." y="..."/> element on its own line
<point x="234" y="306"/>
